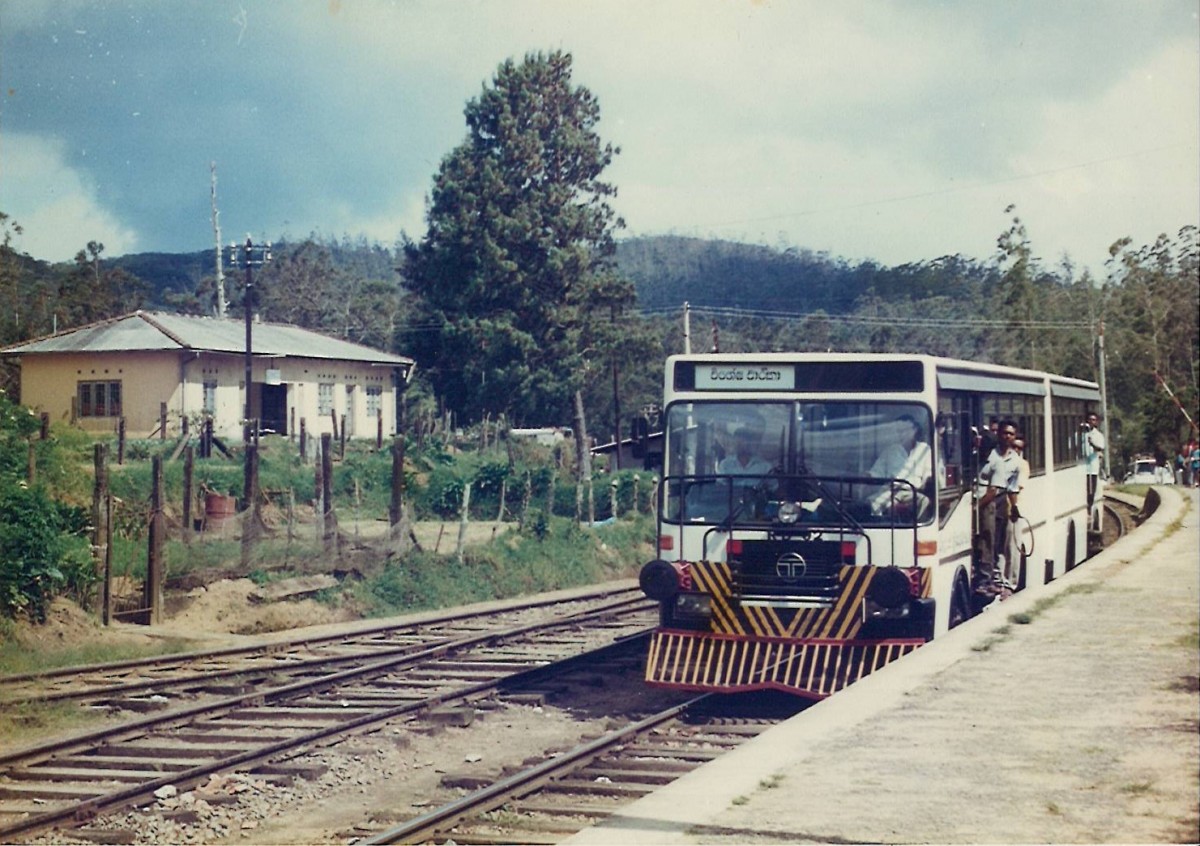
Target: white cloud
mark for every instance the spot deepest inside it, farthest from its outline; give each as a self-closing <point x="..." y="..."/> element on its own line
<point x="407" y="215"/>
<point x="53" y="203"/>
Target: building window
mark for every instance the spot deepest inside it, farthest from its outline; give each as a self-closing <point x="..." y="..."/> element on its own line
<point x="210" y="398"/>
<point x="99" y="399"/>
<point x="374" y="400"/>
<point x="324" y="398"/>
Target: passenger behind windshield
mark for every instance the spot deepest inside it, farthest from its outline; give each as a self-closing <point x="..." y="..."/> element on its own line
<point x="745" y="460"/>
<point x="908" y="460"/>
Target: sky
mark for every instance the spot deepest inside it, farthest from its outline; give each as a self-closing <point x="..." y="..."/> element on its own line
<point x="886" y="131"/>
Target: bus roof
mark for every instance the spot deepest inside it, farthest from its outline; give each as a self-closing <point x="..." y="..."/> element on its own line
<point x="938" y="362"/>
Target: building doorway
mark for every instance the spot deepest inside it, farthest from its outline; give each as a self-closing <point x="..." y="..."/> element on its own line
<point x="274" y="409"/>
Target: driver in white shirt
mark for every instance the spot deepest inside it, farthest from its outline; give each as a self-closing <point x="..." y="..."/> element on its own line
<point x="909" y="460"/>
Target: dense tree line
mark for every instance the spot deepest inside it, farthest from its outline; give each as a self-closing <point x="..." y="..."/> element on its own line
<point x="1147" y="301"/>
<point x="519" y="301"/>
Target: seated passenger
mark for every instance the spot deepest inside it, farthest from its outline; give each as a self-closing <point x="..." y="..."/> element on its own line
<point x="907" y="460"/>
<point x="745" y="461"/>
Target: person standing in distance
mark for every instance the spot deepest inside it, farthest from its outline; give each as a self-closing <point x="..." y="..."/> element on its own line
<point x="1093" y="452"/>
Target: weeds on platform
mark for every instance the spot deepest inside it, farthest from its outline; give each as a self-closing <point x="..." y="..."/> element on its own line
<point x="1024" y="618"/>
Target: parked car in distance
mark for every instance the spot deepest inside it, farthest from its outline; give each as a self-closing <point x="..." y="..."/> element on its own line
<point x="1146" y="471"/>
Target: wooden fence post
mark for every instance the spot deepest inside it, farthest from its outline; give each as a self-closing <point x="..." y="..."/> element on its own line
<point x="162" y="421"/>
<point x="189" y="471"/>
<point x="303" y="441"/>
<point x="121" y="441"/>
<point x="526" y="496"/>
<point x="108" y="557"/>
<point x="463" y="522"/>
<point x="330" y="518"/>
<point x="319" y="497"/>
<point x="154" y="563"/>
<point x="251" y="515"/>
<point x="99" y="525"/>
<point x="396" y="508"/>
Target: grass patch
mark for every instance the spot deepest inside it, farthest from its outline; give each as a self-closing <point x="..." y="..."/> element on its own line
<point x="1024" y="618"/>
<point x="1138" y="788"/>
<point x="18" y="657"/>
<point x="565" y="556"/>
<point x="1191" y="640"/>
<point x="740" y="800"/>
<point x="771" y="783"/>
<point x="25" y="724"/>
<point x="998" y="635"/>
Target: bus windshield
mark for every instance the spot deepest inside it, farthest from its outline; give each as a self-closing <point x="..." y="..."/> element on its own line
<point x="733" y="462"/>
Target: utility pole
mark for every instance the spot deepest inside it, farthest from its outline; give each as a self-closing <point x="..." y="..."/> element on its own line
<point x="251" y="256"/>
<point x="687" y="328"/>
<point x="1104" y="405"/>
<point x="216" y="215"/>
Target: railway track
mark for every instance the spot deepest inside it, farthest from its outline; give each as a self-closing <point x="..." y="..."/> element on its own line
<point x="71" y="781"/>
<point x="154" y="683"/>
<point x="552" y="800"/>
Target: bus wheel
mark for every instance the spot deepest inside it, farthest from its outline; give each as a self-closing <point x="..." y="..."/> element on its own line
<point x="960" y="604"/>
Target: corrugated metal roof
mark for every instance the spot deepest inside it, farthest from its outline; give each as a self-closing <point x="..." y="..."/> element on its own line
<point x="142" y="331"/>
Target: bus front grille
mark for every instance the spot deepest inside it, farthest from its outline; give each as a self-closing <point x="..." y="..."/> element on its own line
<point x="787" y="574"/>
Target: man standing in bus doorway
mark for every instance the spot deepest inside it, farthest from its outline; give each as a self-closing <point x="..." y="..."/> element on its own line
<point x="1093" y="452"/>
<point x="997" y="509"/>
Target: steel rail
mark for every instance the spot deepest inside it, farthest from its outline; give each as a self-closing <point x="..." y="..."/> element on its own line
<point x="494" y="795"/>
<point x="283" y="644"/>
<point x="90" y="807"/>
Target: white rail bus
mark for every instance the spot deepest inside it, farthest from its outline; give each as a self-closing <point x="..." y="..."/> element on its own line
<point x="816" y="514"/>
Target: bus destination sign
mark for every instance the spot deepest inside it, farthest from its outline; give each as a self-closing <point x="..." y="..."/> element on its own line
<point x="745" y="377"/>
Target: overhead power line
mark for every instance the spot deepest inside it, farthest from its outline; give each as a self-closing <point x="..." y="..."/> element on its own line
<point x="870" y="320"/>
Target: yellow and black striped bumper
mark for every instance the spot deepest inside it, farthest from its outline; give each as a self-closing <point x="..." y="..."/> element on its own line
<point x="810" y="668"/>
<point x="842" y="621"/>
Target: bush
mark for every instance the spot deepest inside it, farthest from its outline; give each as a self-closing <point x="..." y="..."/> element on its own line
<point x="42" y="553"/>
<point x="563" y="555"/>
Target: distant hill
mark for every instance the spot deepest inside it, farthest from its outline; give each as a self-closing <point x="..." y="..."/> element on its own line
<point x="666" y="270"/>
<point x="178" y="273"/>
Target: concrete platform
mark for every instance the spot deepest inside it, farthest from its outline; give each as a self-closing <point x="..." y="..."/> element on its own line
<point x="1065" y="716"/>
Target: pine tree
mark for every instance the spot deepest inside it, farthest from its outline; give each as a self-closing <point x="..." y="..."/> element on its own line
<point x="515" y="269"/>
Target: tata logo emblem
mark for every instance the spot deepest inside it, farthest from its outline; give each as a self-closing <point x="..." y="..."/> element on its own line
<point x="791" y="566"/>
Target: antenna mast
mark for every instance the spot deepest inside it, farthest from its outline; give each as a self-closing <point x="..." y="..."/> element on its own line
<point x="221" y="302"/>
